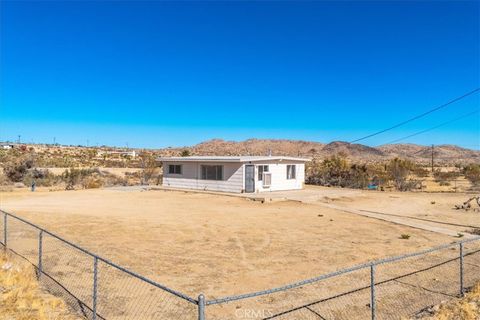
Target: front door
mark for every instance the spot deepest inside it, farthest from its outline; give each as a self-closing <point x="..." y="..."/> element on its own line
<point x="249" y="178"/>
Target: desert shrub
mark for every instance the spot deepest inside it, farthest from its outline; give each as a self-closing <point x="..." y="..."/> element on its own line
<point x="73" y="177"/>
<point x="472" y="173"/>
<point x="41" y="177"/>
<point x="4" y="181"/>
<point x="444" y="178"/>
<point x="92" y="182"/>
<point x="336" y="171"/>
<point x="399" y="171"/>
<point x="89" y="178"/>
<point x="358" y="177"/>
<point x="421" y="172"/>
<point x="150" y="167"/>
<point x="16" y="172"/>
<point x="379" y="175"/>
<point x="475" y="231"/>
<point x="185" y="153"/>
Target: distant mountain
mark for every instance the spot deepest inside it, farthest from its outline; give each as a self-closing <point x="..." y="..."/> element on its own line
<point x="444" y="154"/>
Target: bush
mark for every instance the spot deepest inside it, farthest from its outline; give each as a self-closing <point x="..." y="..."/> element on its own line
<point x="398" y="171"/>
<point x="421" y="172"/>
<point x="18" y="171"/>
<point x="150" y="168"/>
<point x="472" y="173"/>
<point x="41" y="177"/>
<point x="444" y="178"/>
<point x="185" y="153"/>
<point x="336" y="171"/>
<point x="90" y="178"/>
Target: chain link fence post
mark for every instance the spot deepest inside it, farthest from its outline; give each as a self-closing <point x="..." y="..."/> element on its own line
<point x="372" y="290"/>
<point x="95" y="274"/>
<point x="461" y="269"/>
<point x="201" y="307"/>
<point x="40" y="251"/>
<point x="5" y="230"/>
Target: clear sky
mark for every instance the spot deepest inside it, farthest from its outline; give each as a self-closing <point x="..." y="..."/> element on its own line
<point x="157" y="74"/>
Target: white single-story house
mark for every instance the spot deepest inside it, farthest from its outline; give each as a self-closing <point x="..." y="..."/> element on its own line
<point x="236" y="174"/>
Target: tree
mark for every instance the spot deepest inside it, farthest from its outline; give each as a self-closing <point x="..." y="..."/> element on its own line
<point x="149" y="165"/>
<point x="472" y="173"/>
<point x="398" y="171"/>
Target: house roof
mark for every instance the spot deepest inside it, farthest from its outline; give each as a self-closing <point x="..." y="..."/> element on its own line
<point x="230" y="159"/>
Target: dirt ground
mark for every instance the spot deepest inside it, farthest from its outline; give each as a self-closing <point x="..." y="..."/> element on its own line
<point x="431" y="209"/>
<point x="223" y="245"/>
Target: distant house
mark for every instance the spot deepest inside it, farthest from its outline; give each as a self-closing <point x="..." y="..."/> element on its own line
<point x="234" y="174"/>
<point x="7" y="146"/>
<point x="132" y="153"/>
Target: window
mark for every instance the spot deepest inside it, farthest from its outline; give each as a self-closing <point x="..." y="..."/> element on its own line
<point x="267" y="181"/>
<point x="175" y="169"/>
<point x="212" y="172"/>
<point x="291" y="171"/>
<point x="261" y="170"/>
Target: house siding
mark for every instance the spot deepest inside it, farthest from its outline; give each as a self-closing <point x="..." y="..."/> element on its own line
<point x="279" y="176"/>
<point x="233" y="180"/>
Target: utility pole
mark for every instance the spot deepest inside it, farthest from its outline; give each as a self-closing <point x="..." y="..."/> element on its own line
<point x="432" y="157"/>
<point x="87" y="143"/>
<point x="54" y="138"/>
<point x="19" y="136"/>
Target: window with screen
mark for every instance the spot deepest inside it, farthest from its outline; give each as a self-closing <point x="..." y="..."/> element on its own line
<point x="261" y="170"/>
<point x="175" y="169"/>
<point x="212" y="172"/>
<point x="291" y="171"/>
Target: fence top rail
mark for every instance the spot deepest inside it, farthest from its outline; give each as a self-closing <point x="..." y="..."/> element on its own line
<point x="337" y="273"/>
<point x="133" y="274"/>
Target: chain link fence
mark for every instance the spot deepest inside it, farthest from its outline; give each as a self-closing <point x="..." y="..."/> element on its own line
<point x="393" y="288"/>
<point x="91" y="285"/>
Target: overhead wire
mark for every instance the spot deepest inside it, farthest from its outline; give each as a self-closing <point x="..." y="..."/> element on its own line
<point x="418" y="116"/>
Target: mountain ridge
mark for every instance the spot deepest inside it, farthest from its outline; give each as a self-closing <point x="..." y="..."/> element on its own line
<point x="445" y="154"/>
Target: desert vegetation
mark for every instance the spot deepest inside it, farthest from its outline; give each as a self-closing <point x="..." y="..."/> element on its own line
<point x="336" y="164"/>
<point x="25" y="167"/>
<point x="397" y="173"/>
<point x="466" y="308"/>
<point x="21" y="297"/>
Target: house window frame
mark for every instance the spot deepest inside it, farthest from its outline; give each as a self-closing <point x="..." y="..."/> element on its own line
<point x="260" y="172"/>
<point x="291" y="171"/>
<point x="219" y="172"/>
<point x="175" y="167"/>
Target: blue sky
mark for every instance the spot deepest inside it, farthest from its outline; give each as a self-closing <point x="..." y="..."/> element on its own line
<point x="157" y="74"/>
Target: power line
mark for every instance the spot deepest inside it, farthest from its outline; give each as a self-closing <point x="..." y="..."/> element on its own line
<point x="419" y="116"/>
<point x="435" y="127"/>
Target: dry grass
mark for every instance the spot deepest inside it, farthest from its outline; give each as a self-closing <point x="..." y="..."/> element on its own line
<point x="467" y="308"/>
<point x="21" y="297"/>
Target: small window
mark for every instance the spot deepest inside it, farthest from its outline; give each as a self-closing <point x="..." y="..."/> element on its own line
<point x="261" y="170"/>
<point x="267" y="181"/>
<point x="291" y="171"/>
<point x="175" y="169"/>
<point x="212" y="172"/>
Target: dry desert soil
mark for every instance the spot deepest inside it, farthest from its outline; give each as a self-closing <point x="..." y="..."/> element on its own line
<point x="223" y="245"/>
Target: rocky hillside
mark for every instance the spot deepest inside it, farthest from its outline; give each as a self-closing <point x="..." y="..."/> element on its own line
<point x="443" y="154"/>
